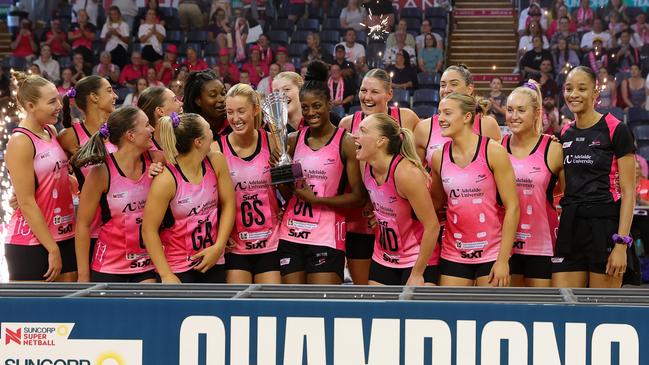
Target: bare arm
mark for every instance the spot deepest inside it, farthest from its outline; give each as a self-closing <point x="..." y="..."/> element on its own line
<point x="409" y="119"/>
<point x="437" y="189"/>
<point x="421" y="132"/>
<point x="490" y="128"/>
<point x="625" y="93"/>
<point x="96" y="184"/>
<point x="68" y="140"/>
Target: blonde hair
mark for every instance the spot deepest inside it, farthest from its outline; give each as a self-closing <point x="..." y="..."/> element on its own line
<point x="535" y="98"/>
<point x="400" y="140"/>
<point x="28" y="87"/>
<point x="251" y="95"/>
<point x="470" y="104"/>
<point x="178" y="140"/>
<point x="292" y="77"/>
<point x="381" y="75"/>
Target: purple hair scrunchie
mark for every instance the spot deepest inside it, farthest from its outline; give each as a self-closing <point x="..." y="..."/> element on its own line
<point x="71" y="93"/>
<point x="175" y="119"/>
<point x="530" y="85"/>
<point x="103" y="130"/>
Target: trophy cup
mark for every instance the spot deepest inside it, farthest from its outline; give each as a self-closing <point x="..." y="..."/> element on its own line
<point x="275" y="109"/>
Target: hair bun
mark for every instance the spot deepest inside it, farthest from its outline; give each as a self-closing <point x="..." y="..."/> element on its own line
<point x="317" y="71"/>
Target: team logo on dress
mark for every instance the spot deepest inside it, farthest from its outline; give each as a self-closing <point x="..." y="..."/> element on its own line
<point x="567" y="144"/>
<point x="121" y="195"/>
<point x="392" y="199"/>
<point x="480" y="178"/>
<point x="595" y="143"/>
<point x="454" y="193"/>
<point x="330" y="161"/>
<point x="535" y="169"/>
<point x="185" y="200"/>
<point x="45" y="155"/>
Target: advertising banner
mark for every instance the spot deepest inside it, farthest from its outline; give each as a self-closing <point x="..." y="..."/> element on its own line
<point x="271" y="332"/>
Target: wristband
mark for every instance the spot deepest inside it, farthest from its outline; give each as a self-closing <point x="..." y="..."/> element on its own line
<point x="622" y="240"/>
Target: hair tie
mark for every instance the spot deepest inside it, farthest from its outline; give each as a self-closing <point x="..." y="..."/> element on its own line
<point x="175" y="119"/>
<point x="530" y="85"/>
<point x="71" y="93"/>
<point x="103" y="130"/>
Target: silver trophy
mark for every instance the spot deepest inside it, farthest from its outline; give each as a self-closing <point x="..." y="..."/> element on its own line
<point x="275" y="108"/>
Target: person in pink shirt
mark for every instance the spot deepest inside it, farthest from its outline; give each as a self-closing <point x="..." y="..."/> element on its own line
<point x="117" y="185"/>
<point x="228" y="71"/>
<point x="538" y="165"/>
<point x="193" y="63"/>
<point x="283" y="61"/>
<point x="473" y="174"/>
<point x="24" y="44"/>
<point x="266" y="53"/>
<point x="193" y="201"/>
<point x="257" y="69"/>
<point x="133" y="71"/>
<point x="167" y="68"/>
<point x="82" y="34"/>
<point x="394" y="178"/>
<point x="39" y="244"/>
<point x="57" y="39"/>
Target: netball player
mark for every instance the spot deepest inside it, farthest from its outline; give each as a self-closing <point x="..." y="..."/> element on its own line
<point x="157" y="102"/>
<point x="474" y="173"/>
<point x="205" y="95"/>
<point x="428" y="135"/>
<point x="395" y="180"/>
<point x="290" y="83"/>
<point x="39" y="243"/>
<point x="247" y="150"/>
<point x="193" y="200"/>
<point x="597" y="205"/>
<point x="312" y="233"/>
<point x="538" y="165"/>
<point x="118" y="186"/>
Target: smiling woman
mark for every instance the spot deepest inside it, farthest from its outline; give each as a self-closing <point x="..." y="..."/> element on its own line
<point x="205" y="95"/>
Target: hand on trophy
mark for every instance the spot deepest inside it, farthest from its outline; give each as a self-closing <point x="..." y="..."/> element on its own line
<point x="305" y="192"/>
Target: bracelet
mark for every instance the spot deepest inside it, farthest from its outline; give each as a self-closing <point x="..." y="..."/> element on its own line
<point x="622" y="240"/>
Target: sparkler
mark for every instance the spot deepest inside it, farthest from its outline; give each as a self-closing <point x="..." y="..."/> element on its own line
<point x="377" y="31"/>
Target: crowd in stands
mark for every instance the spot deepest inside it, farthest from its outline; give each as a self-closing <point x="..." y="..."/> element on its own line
<point x="154" y="45"/>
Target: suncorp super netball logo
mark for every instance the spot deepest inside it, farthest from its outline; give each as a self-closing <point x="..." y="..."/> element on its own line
<point x="49" y="344"/>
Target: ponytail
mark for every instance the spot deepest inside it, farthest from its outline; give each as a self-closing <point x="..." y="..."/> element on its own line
<point x="482" y="105"/>
<point x="400" y="140"/>
<point x="178" y="132"/>
<point x="409" y="151"/>
<point x="66" y="120"/>
<point x="168" y="139"/>
<point x="92" y="153"/>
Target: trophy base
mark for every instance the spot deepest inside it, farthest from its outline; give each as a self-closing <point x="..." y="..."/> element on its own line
<point x="285" y="173"/>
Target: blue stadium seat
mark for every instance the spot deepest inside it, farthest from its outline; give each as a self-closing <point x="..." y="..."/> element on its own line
<point x="211" y="49"/>
<point x="197" y="36"/>
<point x="644" y="152"/>
<point x="436" y="13"/>
<point x="636" y="116"/>
<point x="641" y="133"/>
<point x="329" y="46"/>
<point x="65" y="62"/>
<point x="354" y="108"/>
<point x="121" y="94"/>
<point x="309" y="24"/>
<point x="296" y="49"/>
<point x="338" y="110"/>
<point x="300" y="36"/>
<point x="361" y="37"/>
<point x="175" y="36"/>
<point x="414" y="25"/>
<point x="425" y="97"/>
<point x="617" y="112"/>
<point x="410" y="13"/>
<point x="438" y="24"/>
<point x="212" y="60"/>
<point x="332" y="24"/>
<point x="278" y="36"/>
<point x="424" y="111"/>
<point x="402" y="97"/>
<point x="283" y="24"/>
<point x="332" y="36"/>
<point x="18" y="63"/>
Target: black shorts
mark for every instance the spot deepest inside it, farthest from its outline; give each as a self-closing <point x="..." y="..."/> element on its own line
<point x="590" y="247"/>
<point x="295" y="257"/>
<point x="399" y="276"/>
<point x="359" y="246"/>
<point x="531" y="266"/>
<point x="29" y="263"/>
<point x="254" y="264"/>
<point x="93" y="243"/>
<point x="466" y="271"/>
<point x="215" y="275"/>
<point x="100" y="277"/>
<point x="149" y="54"/>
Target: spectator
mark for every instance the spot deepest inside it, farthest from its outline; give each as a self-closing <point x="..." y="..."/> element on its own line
<point x="526" y="17"/>
<point x="354" y="52"/>
<point x="615" y="25"/>
<point x="178" y="87"/>
<point x="66" y="81"/>
<point x="614" y="7"/>
<point x="116" y="35"/>
<point x="564" y="32"/>
<point x="341" y="90"/>
<point x="282" y="60"/>
<point x="403" y="74"/>
<point x="34" y="69"/>
<point x="49" y="67"/>
<point x="425" y="29"/>
<point x="166" y="69"/>
<point x="265" y="51"/>
<point x="634" y="92"/>
<point x="598" y="57"/>
<point x="151" y="35"/>
<point x="152" y="78"/>
<point x="551" y="123"/>
<point x="642" y="184"/>
<point x="625" y="54"/>
<point x="431" y="58"/>
<point x="133" y="71"/>
<point x="90" y="7"/>
<point x="57" y="39"/>
<point x="347" y="68"/>
<point x="244" y="77"/>
<point x="297" y="9"/>
<point x="636" y="40"/>
<point x="607" y="89"/>
<point x="525" y="43"/>
<point x="265" y="85"/>
<point x="228" y="71"/>
<point x="82" y="35"/>
<point x="107" y="69"/>
<point x="584" y="16"/>
<point x="402" y="30"/>
<point x="190" y="13"/>
<point x="131" y="98"/>
<point x="531" y="61"/>
<point x="564" y="58"/>
<point x="315" y="51"/>
<point x="23" y="44"/>
<point x="498" y="100"/>
<point x="128" y="9"/>
<point x="641" y="28"/>
<point x="241" y="29"/>
<point x="255" y="67"/>
<point x="549" y="87"/>
<point x="352" y="16"/>
<point x="80" y="67"/>
<point x="219" y="29"/>
<point x="391" y="52"/>
<point x="194" y="63"/>
<point x="597" y="32"/>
